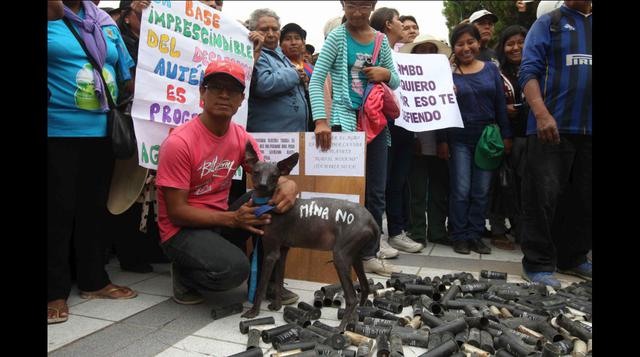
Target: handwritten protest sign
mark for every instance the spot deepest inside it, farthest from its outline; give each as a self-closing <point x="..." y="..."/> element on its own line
<point x="427" y="99"/>
<point x="278" y="146"/>
<point x="178" y="39"/>
<point x="345" y="158"/>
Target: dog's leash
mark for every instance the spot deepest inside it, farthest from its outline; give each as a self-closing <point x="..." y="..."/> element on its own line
<point x="262" y="209"/>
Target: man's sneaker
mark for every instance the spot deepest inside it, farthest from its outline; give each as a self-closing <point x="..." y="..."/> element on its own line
<point x="288" y="296"/>
<point x="182" y="294"/>
<point x="404" y="243"/>
<point x="582" y="271"/>
<point x="543" y="277"/>
<point x="380" y="267"/>
<point x="386" y="251"/>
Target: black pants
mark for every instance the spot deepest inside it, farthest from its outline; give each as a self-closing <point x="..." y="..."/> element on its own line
<point x="78" y="173"/>
<point x="133" y="247"/>
<point x="211" y="259"/>
<point x="398" y="169"/>
<point x="557" y="203"/>
<point x="429" y="192"/>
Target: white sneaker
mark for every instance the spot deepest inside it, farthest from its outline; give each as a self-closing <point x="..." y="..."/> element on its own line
<point x="405" y="244"/>
<point x="380" y="267"/>
<point x="386" y="252"/>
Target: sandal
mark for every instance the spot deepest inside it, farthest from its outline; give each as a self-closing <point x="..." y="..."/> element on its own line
<point x="108" y="293"/>
<point x="60" y="314"/>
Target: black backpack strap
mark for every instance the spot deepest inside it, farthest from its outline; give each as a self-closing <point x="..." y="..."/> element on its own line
<point x="93" y="62"/>
<point x="556" y="16"/>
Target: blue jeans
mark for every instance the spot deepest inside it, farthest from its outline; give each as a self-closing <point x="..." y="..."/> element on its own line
<point x="398" y="169"/>
<point x="470" y="185"/>
<point x="375" y="185"/>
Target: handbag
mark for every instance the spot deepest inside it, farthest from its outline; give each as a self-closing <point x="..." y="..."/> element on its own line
<point x="489" y="150"/>
<point x="374" y="115"/>
<point x="119" y="122"/>
<point x="390" y="103"/>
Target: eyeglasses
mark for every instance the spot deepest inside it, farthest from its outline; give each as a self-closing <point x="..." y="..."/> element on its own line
<point x="217" y="88"/>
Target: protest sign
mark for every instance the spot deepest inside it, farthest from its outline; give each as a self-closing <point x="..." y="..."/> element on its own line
<point x="278" y="146"/>
<point x="345" y="158"/>
<point x="426" y="95"/>
<point x="178" y="39"/>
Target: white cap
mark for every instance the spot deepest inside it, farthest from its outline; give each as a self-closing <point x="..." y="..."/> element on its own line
<point x="482" y="13"/>
<point x="547" y="6"/>
<point x="424" y="38"/>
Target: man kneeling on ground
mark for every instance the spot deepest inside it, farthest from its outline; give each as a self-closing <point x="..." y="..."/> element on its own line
<point x="204" y="237"/>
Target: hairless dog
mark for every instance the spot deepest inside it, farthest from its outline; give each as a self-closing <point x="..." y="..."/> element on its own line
<point x="321" y="224"/>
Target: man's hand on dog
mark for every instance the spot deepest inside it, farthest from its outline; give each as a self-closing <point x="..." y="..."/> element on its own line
<point x="285" y="196"/>
<point x="245" y="218"/>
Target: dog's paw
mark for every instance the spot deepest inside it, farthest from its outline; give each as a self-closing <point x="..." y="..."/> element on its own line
<point x="251" y="313"/>
<point x="274" y="306"/>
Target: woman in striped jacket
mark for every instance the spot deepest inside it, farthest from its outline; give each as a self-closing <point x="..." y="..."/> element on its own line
<point x="346" y="55"/>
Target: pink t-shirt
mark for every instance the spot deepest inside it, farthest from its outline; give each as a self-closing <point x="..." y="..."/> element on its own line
<point x="192" y="158"/>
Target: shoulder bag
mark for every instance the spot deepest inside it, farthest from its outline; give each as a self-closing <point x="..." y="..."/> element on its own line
<point x="119" y="122"/>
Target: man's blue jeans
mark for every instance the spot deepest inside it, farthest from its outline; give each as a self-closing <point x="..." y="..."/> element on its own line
<point x="469" y="191"/>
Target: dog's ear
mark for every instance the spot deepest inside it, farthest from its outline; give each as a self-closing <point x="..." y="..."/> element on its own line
<point x="250" y="156"/>
<point x="286" y="165"/>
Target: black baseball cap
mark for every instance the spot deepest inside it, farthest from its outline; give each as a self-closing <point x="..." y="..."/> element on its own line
<point x="291" y="27"/>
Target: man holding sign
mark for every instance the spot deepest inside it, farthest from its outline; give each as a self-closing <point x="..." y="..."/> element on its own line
<point x="204" y="239"/>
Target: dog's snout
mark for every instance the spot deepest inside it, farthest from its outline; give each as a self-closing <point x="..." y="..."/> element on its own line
<point x="263" y="182"/>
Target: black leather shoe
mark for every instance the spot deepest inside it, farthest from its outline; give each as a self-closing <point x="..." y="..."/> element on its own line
<point x="461" y="246"/>
<point x="478" y="246"/>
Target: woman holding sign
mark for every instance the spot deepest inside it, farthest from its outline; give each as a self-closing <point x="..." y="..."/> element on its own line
<point x="347" y="55"/>
<point x="475" y="150"/>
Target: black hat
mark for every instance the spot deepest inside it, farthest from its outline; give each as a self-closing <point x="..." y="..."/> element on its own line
<point x="291" y="27"/>
<point x="310" y="48"/>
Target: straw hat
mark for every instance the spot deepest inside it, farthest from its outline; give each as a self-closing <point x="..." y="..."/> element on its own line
<point x="127" y="183"/>
<point x="442" y="47"/>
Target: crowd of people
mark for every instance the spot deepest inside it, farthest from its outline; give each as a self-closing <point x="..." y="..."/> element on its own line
<point x="530" y="96"/>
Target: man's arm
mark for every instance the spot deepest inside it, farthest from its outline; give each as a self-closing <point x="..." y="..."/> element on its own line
<point x="545" y="122"/>
<point x="184" y="215"/>
<point x="533" y="67"/>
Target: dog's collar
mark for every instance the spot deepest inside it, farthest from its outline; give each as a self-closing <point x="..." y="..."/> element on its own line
<point x="263" y="209"/>
<point x="260" y="200"/>
<point x="263" y="206"/>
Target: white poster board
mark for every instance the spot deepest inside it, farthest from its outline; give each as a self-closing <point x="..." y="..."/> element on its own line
<point x="178" y="39"/>
<point x="426" y="95"/>
<point x="345" y="158"/>
<point x="341" y="196"/>
<point x="278" y="146"/>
